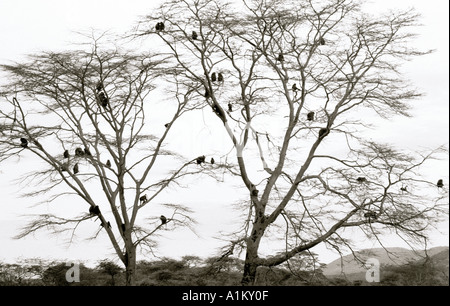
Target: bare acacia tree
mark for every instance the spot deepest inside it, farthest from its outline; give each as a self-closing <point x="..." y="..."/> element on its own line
<point x="83" y="114"/>
<point x="291" y="82"/>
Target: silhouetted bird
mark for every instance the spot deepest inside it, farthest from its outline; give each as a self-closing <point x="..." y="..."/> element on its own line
<point x="323" y="132"/>
<point x="79" y="152"/>
<point x="370" y="214"/>
<point x="94" y="210"/>
<point x="160" y="26"/>
<point x="200" y="159"/>
<point x="143" y="198"/>
<point x="99" y="86"/>
<point x="75" y="169"/>
<point x="23" y="142"/>
<point x="87" y="152"/>
<point x="103" y="99"/>
<point x="163" y="219"/>
<point x="361" y="179"/>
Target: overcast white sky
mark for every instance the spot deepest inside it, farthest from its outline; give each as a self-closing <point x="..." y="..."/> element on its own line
<point x="28" y="26"/>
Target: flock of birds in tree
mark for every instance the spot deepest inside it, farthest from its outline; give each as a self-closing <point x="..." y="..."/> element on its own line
<point x="202" y="159"/>
<point x="215" y="77"/>
<point x="85" y="153"/>
<point x="218" y="77"/>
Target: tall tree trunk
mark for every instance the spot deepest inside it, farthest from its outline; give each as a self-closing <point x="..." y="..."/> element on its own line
<point x="130" y="266"/>
<point x="251" y="258"/>
<point x="249" y="277"/>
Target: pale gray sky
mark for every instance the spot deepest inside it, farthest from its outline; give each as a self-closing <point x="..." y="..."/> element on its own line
<point x="28" y="26"/>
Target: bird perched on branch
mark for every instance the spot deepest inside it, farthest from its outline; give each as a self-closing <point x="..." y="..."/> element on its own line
<point x="280" y="57"/>
<point x="200" y="159"/>
<point x="159" y="26"/>
<point x="23" y="142"/>
<point x="361" y="179"/>
<point x="163" y="219"/>
<point x="94" y="210"/>
<point x="323" y="132"/>
<point x="143" y="198"/>
<point x="370" y="215"/>
<point x="75" y="169"/>
<point x="321" y="41"/>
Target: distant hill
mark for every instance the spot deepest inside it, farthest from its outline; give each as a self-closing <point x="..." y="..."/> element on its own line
<point x="353" y="268"/>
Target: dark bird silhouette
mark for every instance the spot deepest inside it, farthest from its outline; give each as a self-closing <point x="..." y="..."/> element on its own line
<point x="220" y="77"/>
<point x="64" y="167"/>
<point x="440" y="184"/>
<point x="212" y="161"/>
<point x="143" y="198"/>
<point x="361" y="180"/>
<point x="213" y="77"/>
<point x="75" y="169"/>
<point x="323" y="132"/>
<point x="404" y="189"/>
<point x="103" y="99"/>
<point x="310" y="116"/>
<point x="23" y="142"/>
<point x="322" y="41"/>
<point x="280" y="57"/>
<point x="160" y="26"/>
<point x="370" y="215"/>
<point x="163" y="219"/>
<point x="108" y="163"/>
<point x="230" y="107"/>
<point x="166" y="125"/>
<point x="94" y="210"/>
<point x="87" y="152"/>
<point x="66" y="154"/>
<point x="200" y="159"/>
<point x="194" y="35"/>
<point x="294" y="87"/>
<point x="99" y="86"/>
<point x="79" y="152"/>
